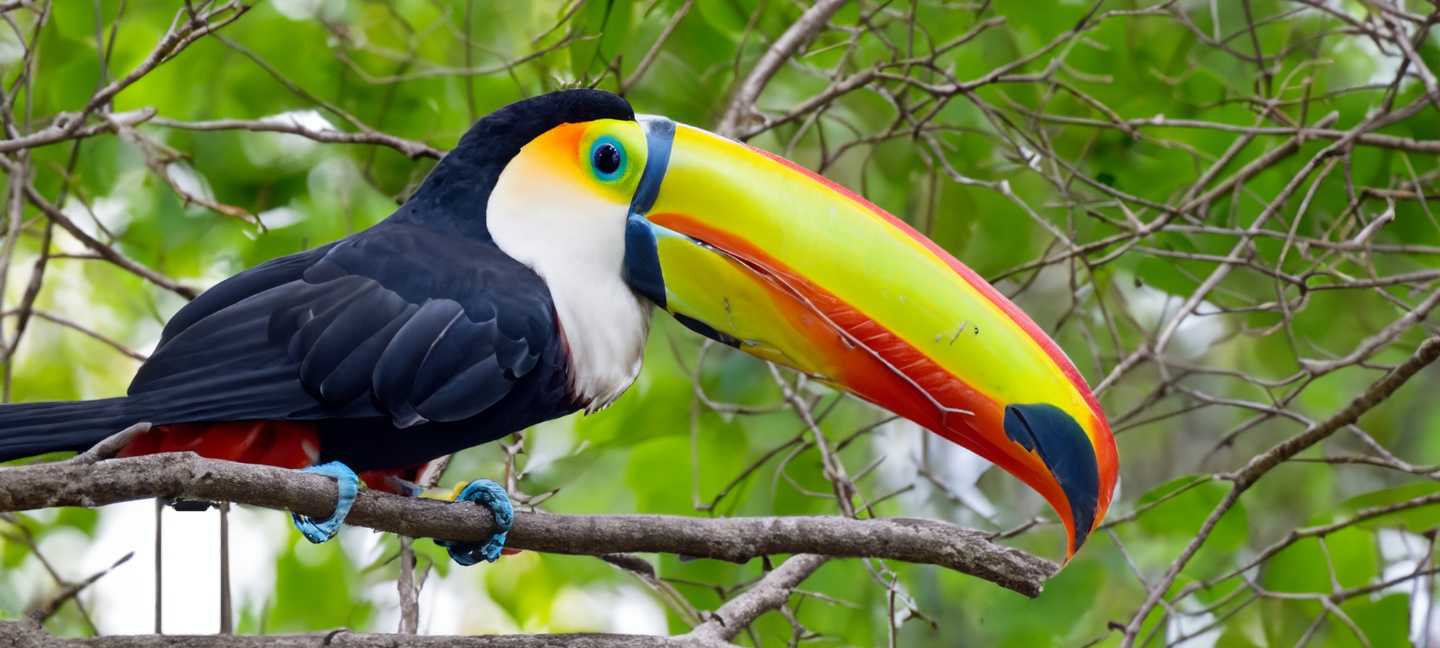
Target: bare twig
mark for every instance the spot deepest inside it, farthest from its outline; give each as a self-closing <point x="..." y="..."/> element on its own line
<point x="769" y="594"/>
<point x="742" y="104"/>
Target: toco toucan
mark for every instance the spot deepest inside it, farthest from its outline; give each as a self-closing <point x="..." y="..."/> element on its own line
<point x="517" y="285"/>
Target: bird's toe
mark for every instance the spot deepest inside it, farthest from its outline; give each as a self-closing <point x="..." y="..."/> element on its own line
<point x="318" y="530"/>
<point x="492" y="496"/>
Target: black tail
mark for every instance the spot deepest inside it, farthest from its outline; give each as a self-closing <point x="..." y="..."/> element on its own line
<point x="29" y="429"/>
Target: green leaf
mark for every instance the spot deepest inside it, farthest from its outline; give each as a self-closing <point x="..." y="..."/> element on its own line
<point x="1304" y="567"/>
<point x="1161" y="274"/>
<point x="315" y="587"/>
<point x="726" y="16"/>
<point x="1385" y="623"/>
<point x="1184" y="514"/>
<point x="12" y="553"/>
<point x="1416" y="518"/>
<point x="80" y="519"/>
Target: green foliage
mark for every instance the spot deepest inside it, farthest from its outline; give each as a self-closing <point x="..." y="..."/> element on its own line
<point x="314" y="590"/>
<point x="1232" y="383"/>
<point x="1181" y="515"/>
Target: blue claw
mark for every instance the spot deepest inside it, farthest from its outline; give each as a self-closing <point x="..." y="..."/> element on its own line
<point x="318" y="531"/>
<point x="492" y="496"/>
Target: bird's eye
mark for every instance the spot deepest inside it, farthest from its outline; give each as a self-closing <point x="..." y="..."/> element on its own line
<point x="608" y="160"/>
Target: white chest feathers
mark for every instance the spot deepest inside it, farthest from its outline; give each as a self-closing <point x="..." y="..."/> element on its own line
<point x="575" y="240"/>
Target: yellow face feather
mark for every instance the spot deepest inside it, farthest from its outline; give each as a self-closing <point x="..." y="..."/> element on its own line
<point x="571" y="149"/>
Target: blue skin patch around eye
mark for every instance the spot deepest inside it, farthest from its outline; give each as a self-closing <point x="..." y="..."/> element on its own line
<point x="595" y="152"/>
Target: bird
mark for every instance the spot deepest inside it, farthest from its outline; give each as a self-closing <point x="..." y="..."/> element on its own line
<point x="517" y="285"/>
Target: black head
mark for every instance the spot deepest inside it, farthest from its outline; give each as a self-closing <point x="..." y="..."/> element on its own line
<point x="454" y="196"/>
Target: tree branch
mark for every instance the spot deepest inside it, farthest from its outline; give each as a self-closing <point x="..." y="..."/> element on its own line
<point x="1259" y="466"/>
<point x="106" y="252"/>
<point x="63" y="129"/>
<point x="409" y="148"/>
<point x="27" y="634"/>
<point x="742" y="105"/>
<point x="189" y="476"/>
<point x="770" y="593"/>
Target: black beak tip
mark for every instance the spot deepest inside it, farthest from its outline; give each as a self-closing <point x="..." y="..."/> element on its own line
<point x="1066" y="450"/>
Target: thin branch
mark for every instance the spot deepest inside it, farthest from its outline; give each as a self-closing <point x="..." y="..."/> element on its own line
<point x="109" y="253"/>
<point x="770" y="593"/>
<point x="742" y="104"/>
<point x="408" y="148"/>
<point x="1262" y="464"/>
<point x="63" y="130"/>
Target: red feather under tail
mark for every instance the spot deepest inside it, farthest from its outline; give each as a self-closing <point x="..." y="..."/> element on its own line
<point x="283" y="444"/>
<point x="400" y="481"/>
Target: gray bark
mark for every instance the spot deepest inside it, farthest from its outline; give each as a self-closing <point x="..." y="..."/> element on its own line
<point x="188" y="476"/>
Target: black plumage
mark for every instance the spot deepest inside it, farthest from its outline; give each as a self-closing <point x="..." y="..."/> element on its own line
<point x="410" y="340"/>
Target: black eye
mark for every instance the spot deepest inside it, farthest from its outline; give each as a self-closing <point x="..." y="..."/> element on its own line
<point x="606" y="159"/>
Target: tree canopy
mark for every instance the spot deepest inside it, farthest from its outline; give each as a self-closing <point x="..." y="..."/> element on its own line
<point x="1224" y="212"/>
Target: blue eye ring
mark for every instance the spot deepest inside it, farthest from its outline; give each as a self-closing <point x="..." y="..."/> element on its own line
<point x="608" y="159"/>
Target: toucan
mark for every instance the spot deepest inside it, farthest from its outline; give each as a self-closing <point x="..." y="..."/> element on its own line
<point x="517" y="285"/>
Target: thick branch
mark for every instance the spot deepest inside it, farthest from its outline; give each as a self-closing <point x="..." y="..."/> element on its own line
<point x="189" y="476"/>
<point x="724" y="624"/>
<point x="24" y="634"/>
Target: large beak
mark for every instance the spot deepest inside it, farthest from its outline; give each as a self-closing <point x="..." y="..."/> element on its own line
<point x="751" y="250"/>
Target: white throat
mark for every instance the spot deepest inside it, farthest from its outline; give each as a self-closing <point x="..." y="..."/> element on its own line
<point x="575" y="241"/>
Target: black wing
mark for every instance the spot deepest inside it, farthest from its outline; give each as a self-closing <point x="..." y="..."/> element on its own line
<point x="398" y="321"/>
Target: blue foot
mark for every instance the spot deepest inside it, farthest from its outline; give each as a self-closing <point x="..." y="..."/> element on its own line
<point x="492" y="496"/>
<point x="318" y="531"/>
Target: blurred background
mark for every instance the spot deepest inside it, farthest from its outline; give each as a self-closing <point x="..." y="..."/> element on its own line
<point x="1224" y="212"/>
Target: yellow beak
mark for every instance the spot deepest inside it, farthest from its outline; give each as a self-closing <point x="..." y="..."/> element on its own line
<point x="751" y="250"/>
